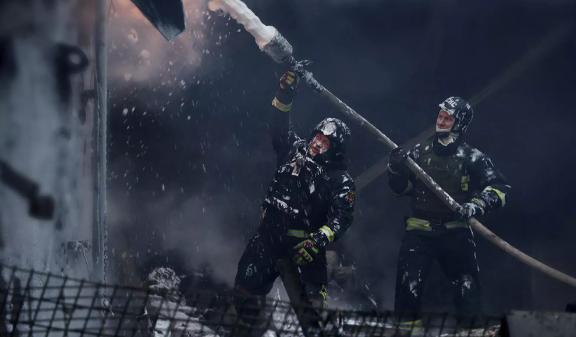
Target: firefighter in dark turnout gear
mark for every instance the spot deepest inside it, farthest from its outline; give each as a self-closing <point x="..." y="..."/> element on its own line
<point x="308" y="205"/>
<point x="433" y="231"/>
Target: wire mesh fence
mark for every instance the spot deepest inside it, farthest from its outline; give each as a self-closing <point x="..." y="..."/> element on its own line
<point x="34" y="303"/>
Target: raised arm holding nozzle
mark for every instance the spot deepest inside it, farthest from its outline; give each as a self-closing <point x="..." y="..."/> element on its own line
<point x="309" y="203"/>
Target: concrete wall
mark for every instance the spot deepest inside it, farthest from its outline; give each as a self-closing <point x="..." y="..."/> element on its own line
<point x="46" y="132"/>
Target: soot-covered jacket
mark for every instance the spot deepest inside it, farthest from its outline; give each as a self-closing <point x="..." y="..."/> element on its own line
<point x="461" y="170"/>
<point x="308" y="194"/>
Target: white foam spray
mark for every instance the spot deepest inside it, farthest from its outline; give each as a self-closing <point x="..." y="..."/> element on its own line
<point x="243" y="15"/>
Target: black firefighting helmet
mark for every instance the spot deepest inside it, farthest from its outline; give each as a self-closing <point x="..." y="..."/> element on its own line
<point x="338" y="133"/>
<point x="462" y="112"/>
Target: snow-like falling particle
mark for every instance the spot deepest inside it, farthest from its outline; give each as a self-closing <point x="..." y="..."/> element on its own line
<point x="133" y="35"/>
<point x="145" y="54"/>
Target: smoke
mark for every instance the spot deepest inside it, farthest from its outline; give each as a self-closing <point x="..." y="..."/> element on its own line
<point x="197" y="230"/>
<point x="147" y="218"/>
<point x="139" y="53"/>
<point x="202" y="233"/>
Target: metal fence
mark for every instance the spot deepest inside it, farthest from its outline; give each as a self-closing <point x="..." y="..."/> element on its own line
<point x="42" y="304"/>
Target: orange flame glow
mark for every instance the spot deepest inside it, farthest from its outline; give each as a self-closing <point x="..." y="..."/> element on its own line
<point x="138" y="52"/>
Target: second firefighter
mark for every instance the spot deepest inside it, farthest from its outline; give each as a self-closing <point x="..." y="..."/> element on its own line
<point x="433" y="231"/>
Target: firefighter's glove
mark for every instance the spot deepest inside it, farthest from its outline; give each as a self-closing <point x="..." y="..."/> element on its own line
<point x="289" y="81"/>
<point x="471" y="209"/>
<point x="397" y="161"/>
<point x="285" y="94"/>
<point x="307" y="250"/>
<point x="41" y="207"/>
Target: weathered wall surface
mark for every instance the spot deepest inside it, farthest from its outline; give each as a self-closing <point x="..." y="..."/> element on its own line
<point x="45" y="132"/>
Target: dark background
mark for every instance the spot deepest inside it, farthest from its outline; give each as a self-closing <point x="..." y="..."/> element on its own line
<point x="190" y="160"/>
